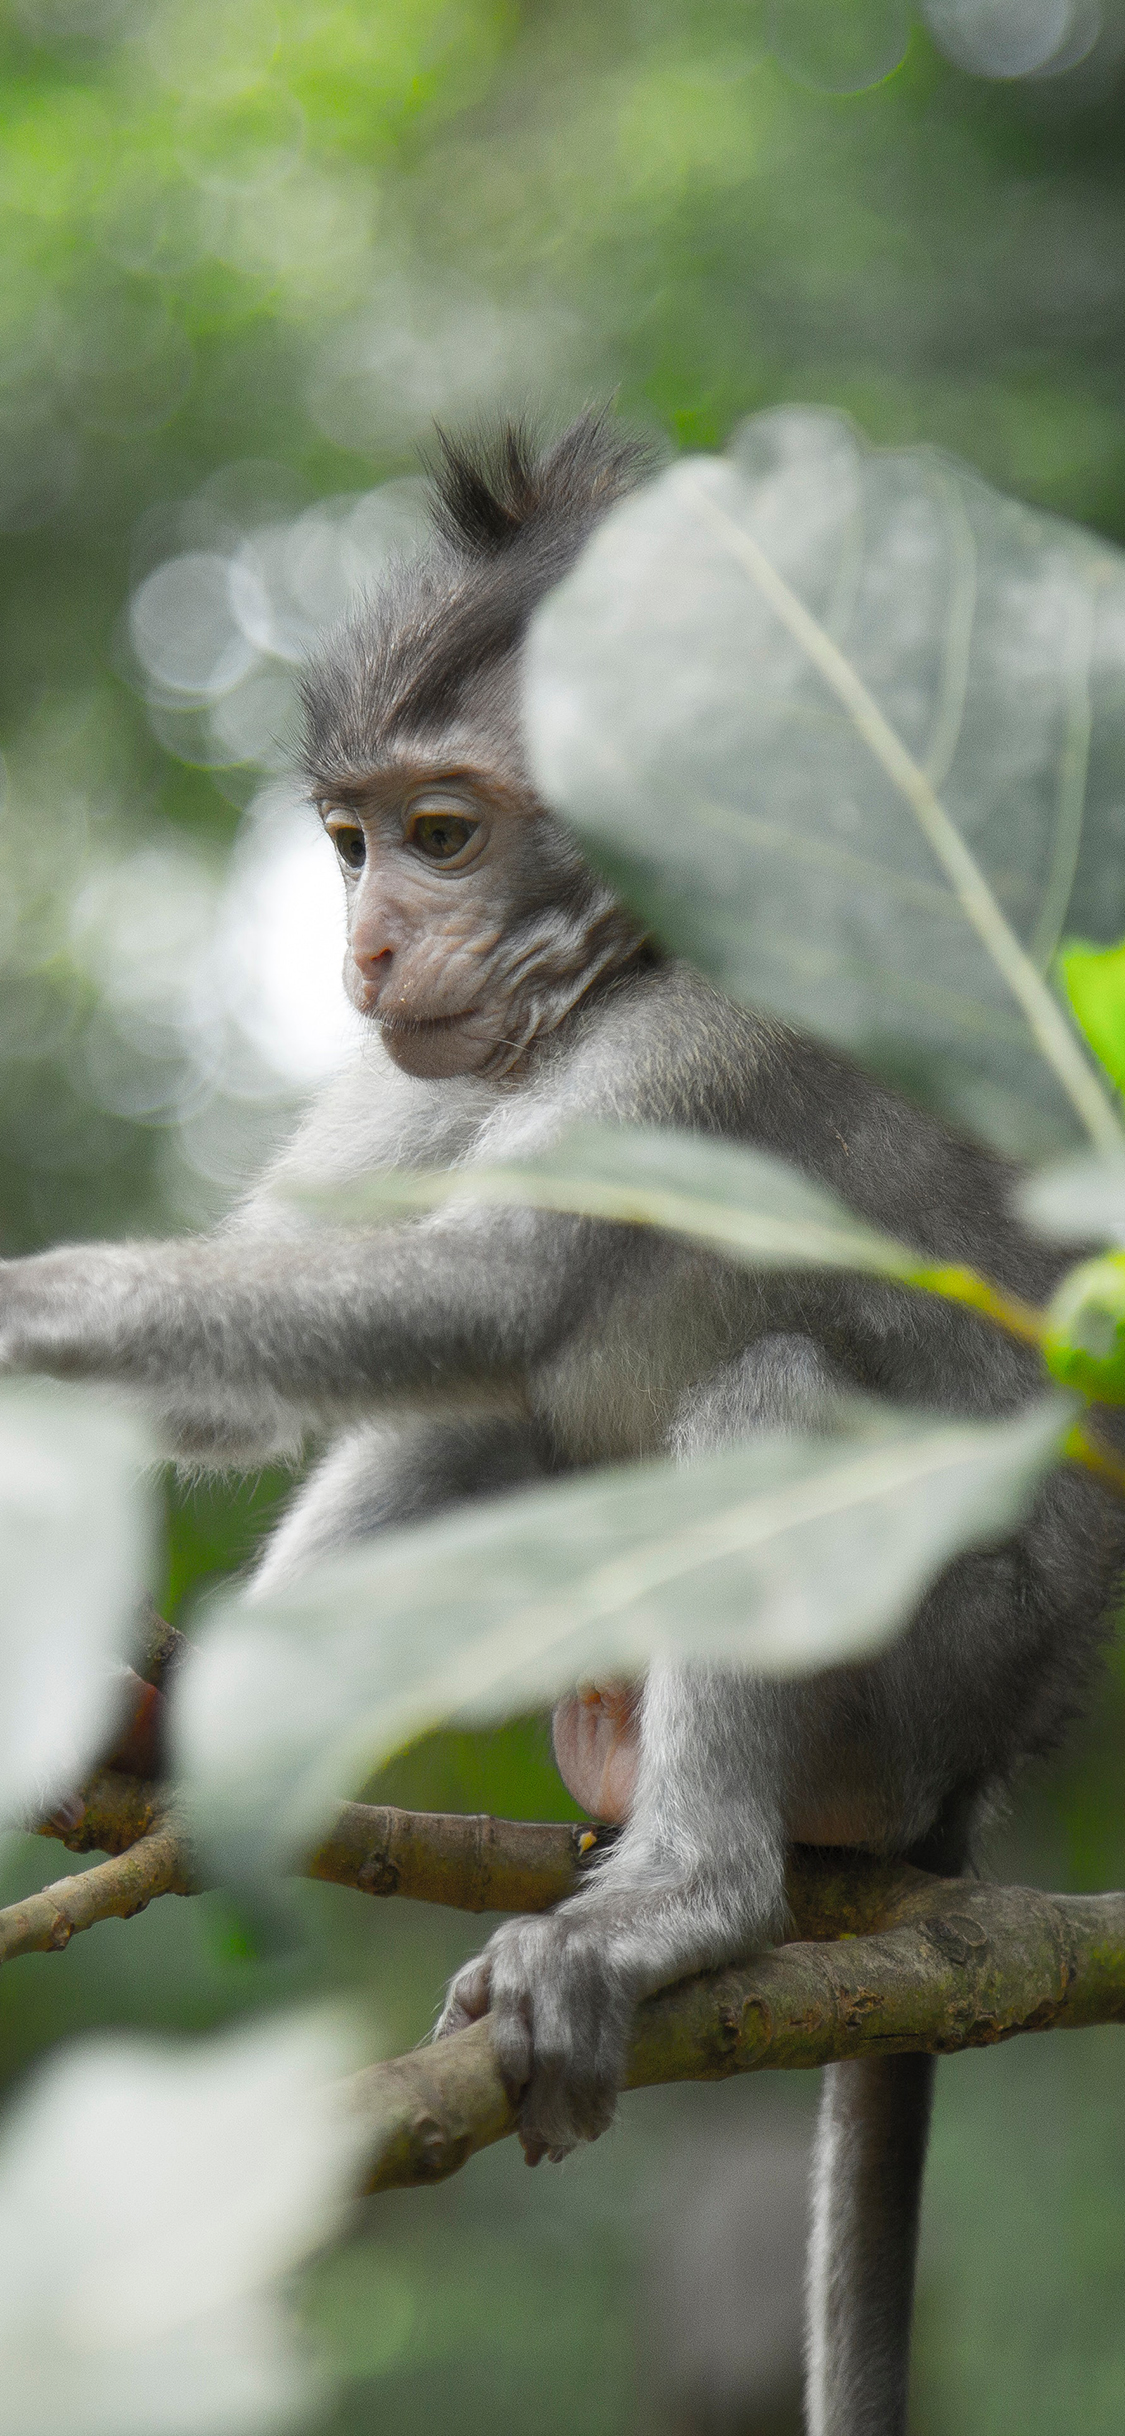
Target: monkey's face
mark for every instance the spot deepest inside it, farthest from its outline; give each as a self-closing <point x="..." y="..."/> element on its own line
<point x="462" y="898"/>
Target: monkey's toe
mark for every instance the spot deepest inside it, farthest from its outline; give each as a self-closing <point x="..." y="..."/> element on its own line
<point x="467" y="1998"/>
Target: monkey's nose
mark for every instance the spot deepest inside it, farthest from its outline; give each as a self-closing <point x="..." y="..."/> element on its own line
<point x="374" y="963"/>
<point x="372" y="969"/>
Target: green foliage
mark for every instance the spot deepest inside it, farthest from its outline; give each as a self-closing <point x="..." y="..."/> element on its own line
<point x="213" y="1526"/>
<point x="272" y="243"/>
<point x="76" y="1556"/>
<point x="506" y="1771"/>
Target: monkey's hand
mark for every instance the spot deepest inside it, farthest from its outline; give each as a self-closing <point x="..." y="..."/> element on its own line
<point x="562" y="1989"/>
<point x="62" y="1311"/>
<point x="561" y="1994"/>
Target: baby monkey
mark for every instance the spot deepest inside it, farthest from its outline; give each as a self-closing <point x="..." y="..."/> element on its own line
<point x="468" y="1351"/>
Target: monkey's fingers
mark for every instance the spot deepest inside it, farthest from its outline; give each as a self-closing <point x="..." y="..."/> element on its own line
<point x="480" y="1988"/>
<point x="559" y="2021"/>
<point x="513" y="2042"/>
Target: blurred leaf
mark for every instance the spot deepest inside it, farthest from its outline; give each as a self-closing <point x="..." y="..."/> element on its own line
<point x="151" y="2201"/>
<point x="1083" y="1201"/>
<point x="76" y="1550"/>
<point x="839" y="50"/>
<point x="784" y="1554"/>
<point x="844" y="726"/>
<point x="744" y="1202"/>
<point x="1009" y="38"/>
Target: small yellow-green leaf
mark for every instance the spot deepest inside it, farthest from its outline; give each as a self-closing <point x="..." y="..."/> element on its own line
<point x="1095" y="986"/>
<point x="1084" y="1341"/>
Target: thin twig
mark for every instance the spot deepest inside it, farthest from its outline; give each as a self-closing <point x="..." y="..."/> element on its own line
<point x="114" y="1890"/>
<point x="163" y="1650"/>
<point x="482" y="1864"/>
<point x="473" y="1864"/>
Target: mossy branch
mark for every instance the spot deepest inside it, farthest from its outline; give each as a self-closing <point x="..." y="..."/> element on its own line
<point x="962" y="1965"/>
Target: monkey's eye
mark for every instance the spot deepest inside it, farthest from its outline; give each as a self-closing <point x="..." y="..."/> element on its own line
<point x="439" y="835"/>
<point x="351" y="846"/>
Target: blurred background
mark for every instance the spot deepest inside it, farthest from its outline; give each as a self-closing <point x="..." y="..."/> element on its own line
<point x="247" y="253"/>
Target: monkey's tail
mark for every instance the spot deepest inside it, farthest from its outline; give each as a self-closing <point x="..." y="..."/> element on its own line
<point x="866" y="2203"/>
<point x="867" y="2191"/>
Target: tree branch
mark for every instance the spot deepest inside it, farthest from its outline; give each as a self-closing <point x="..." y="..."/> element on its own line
<point x="115" y="1811"/>
<point x="885" y="1958"/>
<point x="473" y="1864"/>
<point x="966" y="1965"/>
<point x="44" y="1923"/>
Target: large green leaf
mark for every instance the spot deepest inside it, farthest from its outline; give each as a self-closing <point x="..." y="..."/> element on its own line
<point x="743" y="1202"/>
<point x="154" y="2202"/>
<point x="783" y="1554"/>
<point x="76" y="1548"/>
<point x="845" y="725"/>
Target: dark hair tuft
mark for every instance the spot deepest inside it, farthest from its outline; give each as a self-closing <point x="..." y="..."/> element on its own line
<point x="489" y="495"/>
<point x="482" y="498"/>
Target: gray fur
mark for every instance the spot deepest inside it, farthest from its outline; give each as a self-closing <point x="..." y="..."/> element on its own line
<point x="867" y="2177"/>
<point x="458" y="1354"/>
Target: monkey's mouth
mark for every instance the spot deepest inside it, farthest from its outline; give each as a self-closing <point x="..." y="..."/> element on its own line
<point x="432" y="1046"/>
<point x="408" y="1027"/>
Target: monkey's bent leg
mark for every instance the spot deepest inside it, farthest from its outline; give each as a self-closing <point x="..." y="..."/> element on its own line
<point x="867" y="2186"/>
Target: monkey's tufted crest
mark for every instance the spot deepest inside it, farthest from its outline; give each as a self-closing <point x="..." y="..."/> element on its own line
<point x="508" y="522"/>
<point x="499" y="491"/>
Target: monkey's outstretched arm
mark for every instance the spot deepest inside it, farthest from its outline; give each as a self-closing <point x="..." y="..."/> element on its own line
<point x="232" y="1325"/>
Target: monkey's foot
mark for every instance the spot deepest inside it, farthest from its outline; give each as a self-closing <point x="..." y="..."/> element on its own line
<point x="561" y="2009"/>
